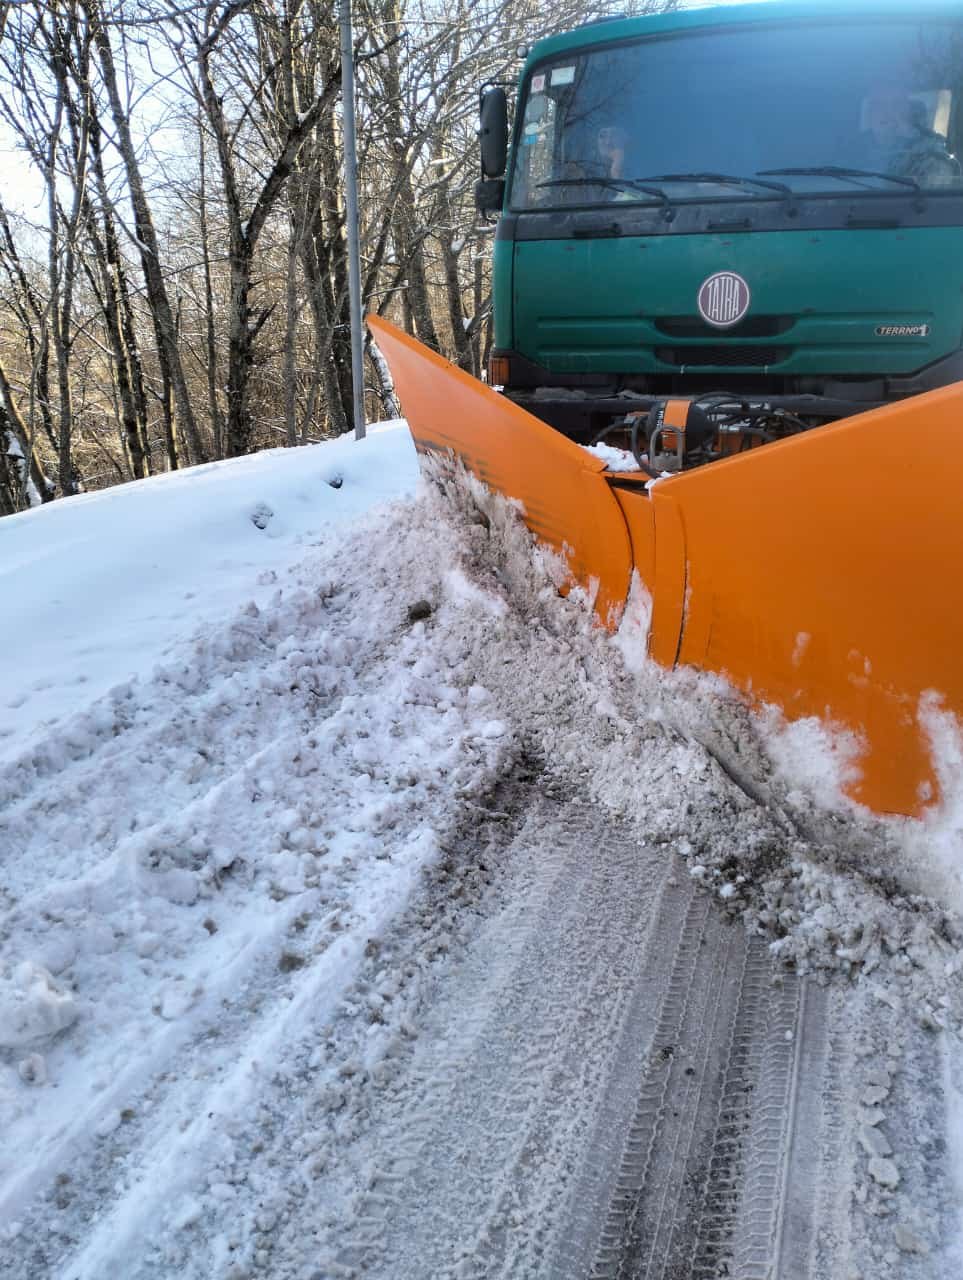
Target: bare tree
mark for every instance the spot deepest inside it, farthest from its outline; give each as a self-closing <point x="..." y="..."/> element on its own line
<point x="172" y="371"/>
<point x="248" y="205"/>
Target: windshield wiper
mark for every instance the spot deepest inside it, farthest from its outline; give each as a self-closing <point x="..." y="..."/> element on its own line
<point x="616" y="184"/>
<point x="836" y="171"/>
<point x="720" y="179"/>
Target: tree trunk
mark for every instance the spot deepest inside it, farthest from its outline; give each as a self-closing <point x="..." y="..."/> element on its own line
<point x="389" y="402"/>
<point x="239" y="356"/>
<point x="131" y="406"/>
<point x="172" y="371"/>
<point x="26" y="484"/>
<point x="456" y="310"/>
<point x="213" y="402"/>
<point x="333" y="254"/>
<point x="291" y="335"/>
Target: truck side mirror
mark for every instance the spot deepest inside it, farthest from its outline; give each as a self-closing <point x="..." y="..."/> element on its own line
<point x="493" y="131"/>
<point x="489" y="196"/>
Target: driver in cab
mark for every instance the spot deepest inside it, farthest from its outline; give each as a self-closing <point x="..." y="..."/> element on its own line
<point x="610" y="146"/>
<point x="900" y="142"/>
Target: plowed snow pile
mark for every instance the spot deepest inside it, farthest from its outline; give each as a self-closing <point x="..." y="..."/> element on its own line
<point x="249" y="721"/>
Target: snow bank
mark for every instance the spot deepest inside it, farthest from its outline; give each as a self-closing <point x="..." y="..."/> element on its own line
<point x="97" y="588"/>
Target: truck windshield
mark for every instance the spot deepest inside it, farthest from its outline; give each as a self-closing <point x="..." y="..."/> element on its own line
<point x="806" y="101"/>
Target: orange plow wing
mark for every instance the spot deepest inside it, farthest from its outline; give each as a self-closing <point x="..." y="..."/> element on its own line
<point x="821" y="574"/>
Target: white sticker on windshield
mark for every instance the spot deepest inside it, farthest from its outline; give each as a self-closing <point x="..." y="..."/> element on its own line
<point x="563" y="75"/>
<point x="538" y="84"/>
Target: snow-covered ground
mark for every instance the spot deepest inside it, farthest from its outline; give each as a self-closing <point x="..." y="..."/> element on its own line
<point x="288" y="942"/>
<point x="97" y="589"/>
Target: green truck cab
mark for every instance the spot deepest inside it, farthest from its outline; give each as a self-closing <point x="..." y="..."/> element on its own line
<point x="761" y="202"/>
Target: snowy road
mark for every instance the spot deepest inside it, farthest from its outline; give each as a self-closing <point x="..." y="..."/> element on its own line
<point x="562" y="1059"/>
<point x="394" y="927"/>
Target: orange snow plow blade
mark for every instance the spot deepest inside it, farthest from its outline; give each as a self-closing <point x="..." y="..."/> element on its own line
<point x="566" y="498"/>
<point x="820" y="574"/>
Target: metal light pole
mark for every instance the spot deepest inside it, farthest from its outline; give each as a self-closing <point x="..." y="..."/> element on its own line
<point x="351" y="200"/>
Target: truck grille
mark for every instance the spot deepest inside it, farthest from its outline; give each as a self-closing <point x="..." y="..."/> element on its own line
<point x="723" y="356"/>
<point x="751" y="327"/>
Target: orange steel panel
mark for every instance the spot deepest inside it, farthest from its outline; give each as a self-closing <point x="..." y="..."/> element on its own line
<point x="668" y="598"/>
<point x="640" y="519"/>
<point x="566" y="501"/>
<point x="823" y="575"/>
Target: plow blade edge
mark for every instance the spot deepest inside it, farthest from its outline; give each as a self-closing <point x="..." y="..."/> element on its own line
<point x="821" y="574"/>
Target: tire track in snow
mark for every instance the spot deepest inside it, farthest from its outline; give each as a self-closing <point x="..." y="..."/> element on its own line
<point x="604" y="1083"/>
<point x="652" y="1203"/>
<point x="518" y="1054"/>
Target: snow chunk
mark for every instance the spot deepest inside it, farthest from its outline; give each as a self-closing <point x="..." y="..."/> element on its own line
<point x="188" y="1215"/>
<point x="873" y="1142"/>
<point x="33" y="1007"/>
<point x="884" y="1172"/>
<point x="809" y="753"/>
<point x="175" y="885"/>
<point x="907" y="1241"/>
<point x="465" y="593"/>
<point x="875" y="1094"/>
<point x="33" y="1069"/>
<point x="175" y="1000"/>
<point x="614" y="459"/>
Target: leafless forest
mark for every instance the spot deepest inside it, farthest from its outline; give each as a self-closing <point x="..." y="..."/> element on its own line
<point x="180" y="294"/>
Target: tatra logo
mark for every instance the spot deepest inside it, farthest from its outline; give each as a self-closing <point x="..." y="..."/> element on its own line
<point x="724" y="299"/>
<point x="902" y="331"/>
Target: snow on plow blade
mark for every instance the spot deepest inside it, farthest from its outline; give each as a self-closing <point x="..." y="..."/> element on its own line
<point x="822" y="574"/>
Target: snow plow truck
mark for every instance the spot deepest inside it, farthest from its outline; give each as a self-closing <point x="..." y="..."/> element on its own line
<point x="729" y="242"/>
